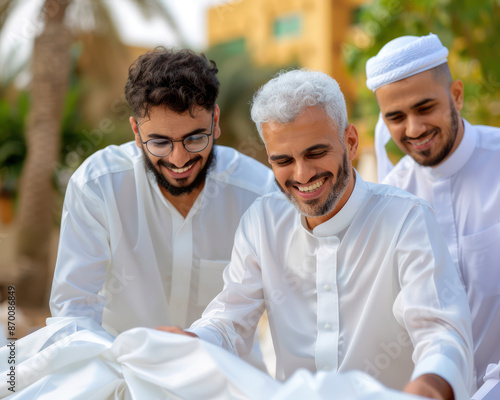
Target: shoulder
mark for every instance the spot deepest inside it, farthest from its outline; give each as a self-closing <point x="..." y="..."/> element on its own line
<point x="394" y="197"/>
<point x="270" y="214"/>
<point x="272" y="206"/>
<point x="488" y="137"/>
<point x="108" y="161"/>
<point x="242" y="172"/>
<point x="402" y="172"/>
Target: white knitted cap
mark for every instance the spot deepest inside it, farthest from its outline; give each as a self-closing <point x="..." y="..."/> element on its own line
<point x="404" y="57"/>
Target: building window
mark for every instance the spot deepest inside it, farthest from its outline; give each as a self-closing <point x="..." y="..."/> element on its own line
<point x="288" y="26"/>
<point x="233" y="47"/>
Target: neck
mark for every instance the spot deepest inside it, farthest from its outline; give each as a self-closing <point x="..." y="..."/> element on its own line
<point x="313" y="222"/>
<point x="458" y="140"/>
<point x="184" y="202"/>
<point x="460" y="134"/>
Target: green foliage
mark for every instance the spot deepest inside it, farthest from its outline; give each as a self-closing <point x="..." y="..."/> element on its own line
<point x="12" y="143"/>
<point x="239" y="79"/>
<point x="469" y="29"/>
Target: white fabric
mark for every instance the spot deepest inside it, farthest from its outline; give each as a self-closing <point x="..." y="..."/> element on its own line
<point x="382" y="137"/>
<point x="362" y="291"/>
<point x="74" y="358"/>
<point x="491" y="388"/>
<point x="128" y="258"/>
<point x="404" y="57"/>
<point x="464" y="191"/>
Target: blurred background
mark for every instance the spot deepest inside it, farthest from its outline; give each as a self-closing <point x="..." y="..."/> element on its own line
<point x="64" y="63"/>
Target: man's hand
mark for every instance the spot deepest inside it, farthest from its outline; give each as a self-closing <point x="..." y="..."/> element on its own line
<point x="431" y="386"/>
<point x="175" y="329"/>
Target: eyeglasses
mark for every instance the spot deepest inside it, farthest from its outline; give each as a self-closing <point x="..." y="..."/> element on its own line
<point x="162" y="147"/>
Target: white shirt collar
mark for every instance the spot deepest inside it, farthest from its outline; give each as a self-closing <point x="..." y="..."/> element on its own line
<point x="459" y="157"/>
<point x="344" y="217"/>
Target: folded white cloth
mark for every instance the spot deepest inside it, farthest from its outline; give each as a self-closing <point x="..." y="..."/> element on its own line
<point x="74" y="358"/>
<point x="382" y="137"/>
<point x="491" y="387"/>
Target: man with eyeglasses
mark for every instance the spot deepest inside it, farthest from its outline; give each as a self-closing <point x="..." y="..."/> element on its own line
<point x="148" y="226"/>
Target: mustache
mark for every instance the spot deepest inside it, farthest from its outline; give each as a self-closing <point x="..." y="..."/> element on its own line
<point x="422" y="136"/>
<point x="167" y="164"/>
<point x="289" y="183"/>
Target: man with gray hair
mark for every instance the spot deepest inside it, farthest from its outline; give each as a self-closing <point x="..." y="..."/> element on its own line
<point x="451" y="164"/>
<point x="337" y="266"/>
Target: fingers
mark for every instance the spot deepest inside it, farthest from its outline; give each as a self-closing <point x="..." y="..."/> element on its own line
<point x="175" y="329"/>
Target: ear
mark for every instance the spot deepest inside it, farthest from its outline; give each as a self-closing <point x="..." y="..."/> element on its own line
<point x="133" y="124"/>
<point x="217" y="131"/>
<point x="457" y="94"/>
<point x="351" y="141"/>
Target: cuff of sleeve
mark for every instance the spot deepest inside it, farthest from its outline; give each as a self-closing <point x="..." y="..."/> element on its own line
<point x="209" y="335"/>
<point x="446" y="369"/>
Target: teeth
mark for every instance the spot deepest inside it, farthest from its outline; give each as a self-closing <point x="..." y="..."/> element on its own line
<point x="312" y="187"/>
<point x="179" y="170"/>
<point x="423" y="142"/>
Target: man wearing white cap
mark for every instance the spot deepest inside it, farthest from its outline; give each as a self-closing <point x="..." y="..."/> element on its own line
<point x="451" y="164"/>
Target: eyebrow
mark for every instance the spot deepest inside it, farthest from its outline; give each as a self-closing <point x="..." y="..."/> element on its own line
<point x="419" y="104"/>
<point x="309" y="149"/>
<point x="160" y="136"/>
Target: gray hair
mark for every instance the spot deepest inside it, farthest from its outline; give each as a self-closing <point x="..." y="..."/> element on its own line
<point x="289" y="93"/>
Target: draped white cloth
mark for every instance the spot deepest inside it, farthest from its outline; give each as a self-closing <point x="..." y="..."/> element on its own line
<point x="382" y="137"/>
<point x="74" y="358"/>
<point x="491" y="388"/>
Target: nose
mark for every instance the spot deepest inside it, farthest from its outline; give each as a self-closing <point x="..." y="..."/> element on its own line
<point x="179" y="156"/>
<point x="415" y="127"/>
<point x="304" y="171"/>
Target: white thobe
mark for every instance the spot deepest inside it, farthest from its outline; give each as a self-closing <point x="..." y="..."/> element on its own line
<point x="361" y="291"/>
<point x="128" y="258"/>
<point x="464" y="191"/>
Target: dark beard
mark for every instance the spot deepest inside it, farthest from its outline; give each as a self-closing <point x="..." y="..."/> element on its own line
<point x="181" y="190"/>
<point x="445" y="151"/>
<point x="338" y="190"/>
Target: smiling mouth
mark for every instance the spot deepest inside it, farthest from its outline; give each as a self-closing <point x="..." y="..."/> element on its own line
<point x="418" y="143"/>
<point x="180" y="170"/>
<point x="311" y="188"/>
<point x="423" y="142"/>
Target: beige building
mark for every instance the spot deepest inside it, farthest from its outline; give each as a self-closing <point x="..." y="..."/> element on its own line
<point x="308" y="33"/>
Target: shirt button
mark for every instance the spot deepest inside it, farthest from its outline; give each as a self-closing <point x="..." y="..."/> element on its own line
<point x="327" y="288"/>
<point x="328" y="327"/>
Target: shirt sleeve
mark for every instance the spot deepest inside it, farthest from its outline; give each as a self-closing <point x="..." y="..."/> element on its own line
<point x="231" y="318"/>
<point x="83" y="256"/>
<point x="432" y="304"/>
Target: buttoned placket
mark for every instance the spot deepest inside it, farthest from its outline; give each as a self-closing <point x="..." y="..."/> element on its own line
<point x="443" y="208"/>
<point x="182" y="262"/>
<point x="326" y="356"/>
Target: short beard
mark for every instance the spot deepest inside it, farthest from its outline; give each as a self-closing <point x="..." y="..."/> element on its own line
<point x="181" y="190"/>
<point x="338" y="190"/>
<point x="446" y="150"/>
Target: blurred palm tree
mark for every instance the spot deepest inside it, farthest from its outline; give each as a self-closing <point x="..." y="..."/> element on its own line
<point x="64" y="21"/>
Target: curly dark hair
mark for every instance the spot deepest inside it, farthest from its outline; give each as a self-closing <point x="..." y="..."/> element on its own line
<point x="179" y="80"/>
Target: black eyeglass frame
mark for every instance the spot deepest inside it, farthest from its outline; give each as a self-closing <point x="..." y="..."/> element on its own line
<point x="180" y="140"/>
